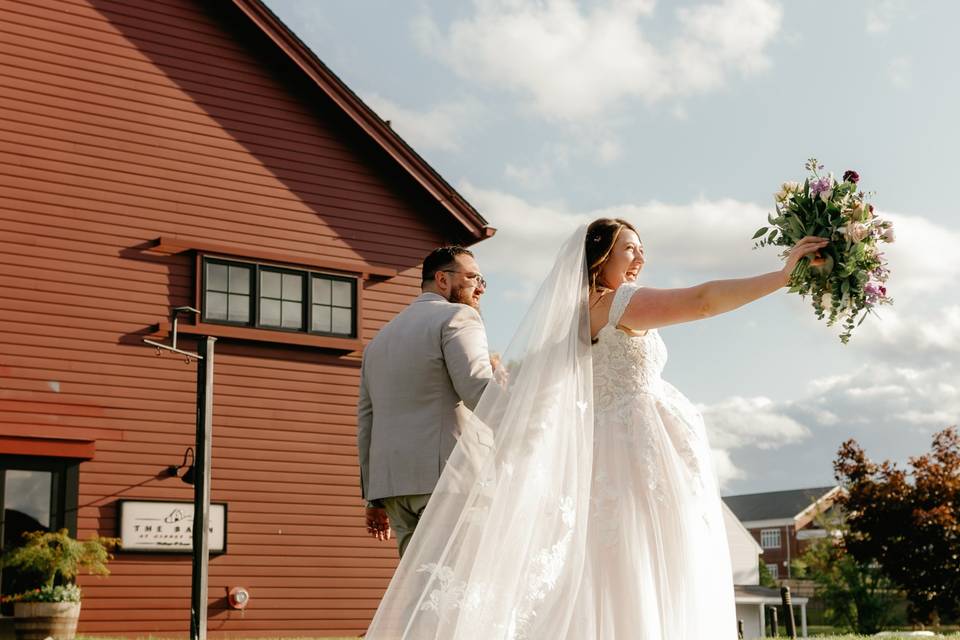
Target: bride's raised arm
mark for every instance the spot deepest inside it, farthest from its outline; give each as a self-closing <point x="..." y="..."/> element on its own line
<point x="650" y="308"/>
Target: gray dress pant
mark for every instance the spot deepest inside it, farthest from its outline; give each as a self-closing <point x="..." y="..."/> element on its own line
<point x="404" y="513"/>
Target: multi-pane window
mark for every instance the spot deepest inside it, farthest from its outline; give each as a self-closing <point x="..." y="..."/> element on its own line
<point x="281" y="299"/>
<point x="226" y="292"/>
<point x="774" y="570"/>
<point x="269" y="297"/>
<point x="770" y="538"/>
<point x="333" y="305"/>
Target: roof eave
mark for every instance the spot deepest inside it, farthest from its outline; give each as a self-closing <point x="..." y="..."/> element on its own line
<point x="369" y="122"/>
<point x="821" y="504"/>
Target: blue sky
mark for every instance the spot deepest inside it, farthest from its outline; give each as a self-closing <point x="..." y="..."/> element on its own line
<point x="684" y="117"/>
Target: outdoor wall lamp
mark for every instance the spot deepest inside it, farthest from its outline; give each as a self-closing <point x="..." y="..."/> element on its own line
<point x="174" y="470"/>
<point x="238" y="598"/>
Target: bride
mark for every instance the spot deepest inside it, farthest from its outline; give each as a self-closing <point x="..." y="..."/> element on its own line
<point x="580" y="502"/>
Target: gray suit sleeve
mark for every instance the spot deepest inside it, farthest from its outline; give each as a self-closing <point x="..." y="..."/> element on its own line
<point x="466" y="356"/>
<point x="364" y="428"/>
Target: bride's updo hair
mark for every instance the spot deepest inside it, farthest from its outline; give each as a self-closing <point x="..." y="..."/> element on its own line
<point x="602" y="236"/>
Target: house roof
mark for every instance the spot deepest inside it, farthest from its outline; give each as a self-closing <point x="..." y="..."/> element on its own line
<point x="776" y="505"/>
<point x="755" y="594"/>
<point x="379" y="131"/>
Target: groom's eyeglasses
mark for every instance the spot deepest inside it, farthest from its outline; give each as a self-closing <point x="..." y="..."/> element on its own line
<point x="476" y="277"/>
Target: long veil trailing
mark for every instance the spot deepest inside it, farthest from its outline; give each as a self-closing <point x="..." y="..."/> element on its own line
<point x="500" y="550"/>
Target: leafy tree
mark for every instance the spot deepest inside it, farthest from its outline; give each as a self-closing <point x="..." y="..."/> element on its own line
<point x="766" y="578"/>
<point x="858" y="596"/>
<point x="55" y="553"/>
<point x="908" y="522"/>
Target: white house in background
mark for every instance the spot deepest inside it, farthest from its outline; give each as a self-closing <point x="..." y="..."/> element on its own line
<point x="751" y="598"/>
<point x="783" y="521"/>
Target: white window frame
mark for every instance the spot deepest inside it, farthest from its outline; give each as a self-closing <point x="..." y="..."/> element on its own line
<point x="774" y="570"/>
<point x="770" y="539"/>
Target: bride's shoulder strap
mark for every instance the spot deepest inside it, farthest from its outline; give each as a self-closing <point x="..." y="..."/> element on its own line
<point x="621" y="298"/>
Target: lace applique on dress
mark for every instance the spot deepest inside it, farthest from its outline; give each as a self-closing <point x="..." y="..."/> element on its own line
<point x="627" y="366"/>
<point x="450" y="594"/>
<point x="544" y="571"/>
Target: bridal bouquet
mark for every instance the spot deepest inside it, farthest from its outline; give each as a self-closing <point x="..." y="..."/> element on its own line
<point x="850" y="282"/>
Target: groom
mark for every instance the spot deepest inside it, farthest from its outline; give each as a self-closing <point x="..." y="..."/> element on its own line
<point x="418" y="374"/>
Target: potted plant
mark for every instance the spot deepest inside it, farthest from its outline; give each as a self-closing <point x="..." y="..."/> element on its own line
<point x="51" y="609"/>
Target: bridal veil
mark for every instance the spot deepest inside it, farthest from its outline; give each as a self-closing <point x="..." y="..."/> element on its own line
<point x="500" y="550"/>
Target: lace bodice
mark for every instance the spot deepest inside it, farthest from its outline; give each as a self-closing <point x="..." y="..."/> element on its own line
<point x="624" y="364"/>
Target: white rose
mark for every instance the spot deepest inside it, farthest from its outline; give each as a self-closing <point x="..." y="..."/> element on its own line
<point x="787" y="191"/>
<point x="889" y="235"/>
<point x="856" y="231"/>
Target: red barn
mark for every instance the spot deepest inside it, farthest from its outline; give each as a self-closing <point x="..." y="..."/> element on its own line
<point x="188" y="153"/>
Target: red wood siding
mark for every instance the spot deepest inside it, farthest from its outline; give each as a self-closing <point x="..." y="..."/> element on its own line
<point x="123" y="122"/>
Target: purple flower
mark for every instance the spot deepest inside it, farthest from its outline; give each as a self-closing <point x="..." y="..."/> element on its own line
<point x="818" y="185"/>
<point x="851" y="176"/>
<point x="822" y="187"/>
<point x="874" y="292"/>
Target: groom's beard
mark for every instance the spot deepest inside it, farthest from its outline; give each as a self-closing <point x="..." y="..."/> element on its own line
<point x="463" y="296"/>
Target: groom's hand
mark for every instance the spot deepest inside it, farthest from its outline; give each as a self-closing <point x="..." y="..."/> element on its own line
<point x="378" y="524"/>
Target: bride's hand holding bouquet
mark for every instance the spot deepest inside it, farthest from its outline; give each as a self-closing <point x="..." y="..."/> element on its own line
<point x="846" y="278"/>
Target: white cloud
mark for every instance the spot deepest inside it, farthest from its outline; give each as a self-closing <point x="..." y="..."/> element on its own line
<point x="887" y="395"/>
<point x="530" y="176"/>
<point x="440" y="127"/>
<point x="729" y="34"/>
<point x="540" y="171"/>
<point x="700" y="239"/>
<point x="527" y="237"/>
<point x="924" y="257"/>
<point x="899" y="72"/>
<point x="924" y="320"/>
<point x="609" y="151"/>
<point x="881" y="15"/>
<point x="754" y="423"/>
<point x="724" y="468"/>
<point x="891" y="411"/>
<point x="575" y="63"/>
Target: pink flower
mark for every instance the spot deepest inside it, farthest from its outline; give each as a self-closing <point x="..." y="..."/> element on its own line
<point x="874" y="292"/>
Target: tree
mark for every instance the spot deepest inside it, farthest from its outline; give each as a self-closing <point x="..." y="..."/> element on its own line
<point x="766" y="578"/>
<point x="908" y="523"/>
<point x="53" y="554"/>
<point x="857" y="596"/>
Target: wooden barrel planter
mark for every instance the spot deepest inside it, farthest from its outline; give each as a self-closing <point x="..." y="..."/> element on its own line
<point x="41" y="620"/>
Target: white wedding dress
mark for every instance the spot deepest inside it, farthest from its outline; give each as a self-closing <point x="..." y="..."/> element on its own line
<point x="658" y="563"/>
<point x="579" y="504"/>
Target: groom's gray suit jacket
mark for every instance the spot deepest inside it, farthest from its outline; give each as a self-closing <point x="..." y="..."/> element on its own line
<point x="418" y="374"/>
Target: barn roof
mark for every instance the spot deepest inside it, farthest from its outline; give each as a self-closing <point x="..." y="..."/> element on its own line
<point x="775" y="505"/>
<point x="462" y="212"/>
